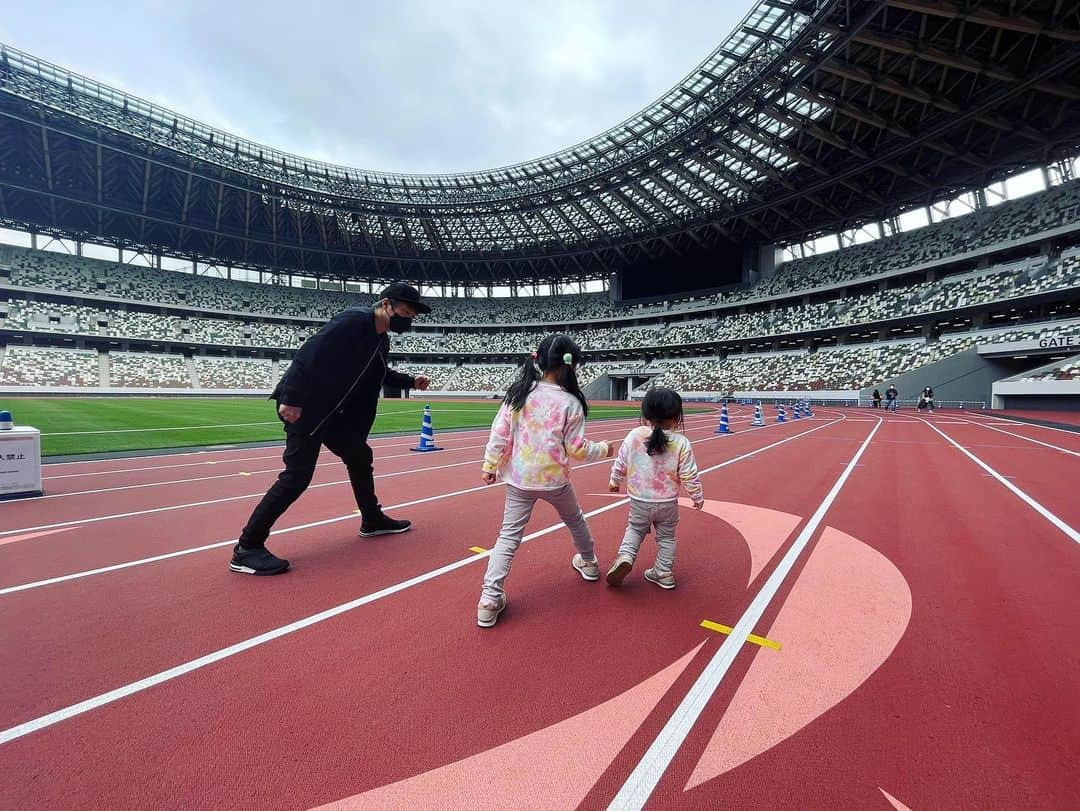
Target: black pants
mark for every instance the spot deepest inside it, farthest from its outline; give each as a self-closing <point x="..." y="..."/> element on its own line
<point x="300" y="457"/>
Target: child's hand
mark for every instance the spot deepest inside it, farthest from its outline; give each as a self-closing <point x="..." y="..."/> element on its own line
<point x="699" y="505"/>
<point x="489" y="478"/>
<point x="612" y="487"/>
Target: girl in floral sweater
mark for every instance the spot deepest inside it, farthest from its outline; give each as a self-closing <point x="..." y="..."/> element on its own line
<point x="540" y="427"/>
<point x="654" y="460"/>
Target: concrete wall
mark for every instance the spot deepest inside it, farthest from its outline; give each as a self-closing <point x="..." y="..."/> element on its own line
<point x="599" y="389"/>
<point x="966" y="377"/>
<point x="1038" y="402"/>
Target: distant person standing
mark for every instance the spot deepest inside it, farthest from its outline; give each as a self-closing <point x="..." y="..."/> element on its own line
<point x="328" y="397"/>
<point x="876" y="397"/>
<point x="891" y="398"/>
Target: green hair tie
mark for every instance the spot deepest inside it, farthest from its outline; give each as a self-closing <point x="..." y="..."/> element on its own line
<point x="568" y="359"/>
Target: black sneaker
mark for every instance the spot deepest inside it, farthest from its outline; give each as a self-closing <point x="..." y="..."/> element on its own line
<point x="383" y="525"/>
<point x="258" y="561"/>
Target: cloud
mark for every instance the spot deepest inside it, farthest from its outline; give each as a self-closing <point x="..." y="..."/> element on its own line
<point x="411" y="86"/>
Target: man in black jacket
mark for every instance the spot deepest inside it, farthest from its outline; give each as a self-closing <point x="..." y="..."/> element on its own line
<point x="891" y="395"/>
<point x="328" y="397"/>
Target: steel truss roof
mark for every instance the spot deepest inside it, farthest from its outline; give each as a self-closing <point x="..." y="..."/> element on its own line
<point x="812" y="116"/>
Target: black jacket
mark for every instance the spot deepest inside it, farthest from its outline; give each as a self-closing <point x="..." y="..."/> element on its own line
<point x="337" y="374"/>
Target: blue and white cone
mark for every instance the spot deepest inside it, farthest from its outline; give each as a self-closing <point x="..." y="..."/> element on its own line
<point x="427" y="433"/>
<point x="759" y="420"/>
<point x="796" y="412"/>
<point x="781" y="413"/>
<point x="724" y="427"/>
<point x="6" y="423"/>
<point x="806" y="409"/>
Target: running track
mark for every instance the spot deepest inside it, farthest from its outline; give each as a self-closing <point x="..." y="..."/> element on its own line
<point x="919" y="575"/>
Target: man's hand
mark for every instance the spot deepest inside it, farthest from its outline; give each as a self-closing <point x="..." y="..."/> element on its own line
<point x="288" y="413"/>
<point x="612" y="487"/>
<point x="422" y="382"/>
<point x="489" y="478"/>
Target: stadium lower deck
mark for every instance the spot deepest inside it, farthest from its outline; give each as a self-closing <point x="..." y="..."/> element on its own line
<point x="909" y="582"/>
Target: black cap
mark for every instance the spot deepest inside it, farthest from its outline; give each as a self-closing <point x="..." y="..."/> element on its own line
<point x="399" y="291"/>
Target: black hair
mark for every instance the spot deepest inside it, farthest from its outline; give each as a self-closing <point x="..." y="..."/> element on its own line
<point x="659" y="406"/>
<point x="550" y="355"/>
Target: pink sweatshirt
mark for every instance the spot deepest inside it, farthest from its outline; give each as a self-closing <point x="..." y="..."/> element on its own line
<point x="532" y="448"/>
<point x="657" y="478"/>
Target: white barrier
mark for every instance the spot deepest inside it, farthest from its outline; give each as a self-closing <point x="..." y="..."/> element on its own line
<point x="20" y="462"/>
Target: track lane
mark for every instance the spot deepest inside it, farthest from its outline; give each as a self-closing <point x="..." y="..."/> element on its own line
<point x="1046" y="475"/>
<point x="98" y="543"/>
<point x="976" y="699"/>
<point x="201" y="590"/>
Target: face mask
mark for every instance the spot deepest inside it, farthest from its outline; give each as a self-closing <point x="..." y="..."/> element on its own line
<point x="399" y="323"/>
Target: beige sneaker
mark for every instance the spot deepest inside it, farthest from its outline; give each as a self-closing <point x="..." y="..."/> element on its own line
<point x="619" y="570"/>
<point x="488" y="614"/>
<point x="588" y="569"/>
<point x="665" y="580"/>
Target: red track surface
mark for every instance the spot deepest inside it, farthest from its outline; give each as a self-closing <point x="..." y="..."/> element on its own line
<point x="926" y="632"/>
<point x="1066" y="417"/>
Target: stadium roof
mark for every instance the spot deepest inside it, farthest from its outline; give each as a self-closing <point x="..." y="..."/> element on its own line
<point x="811" y="117"/>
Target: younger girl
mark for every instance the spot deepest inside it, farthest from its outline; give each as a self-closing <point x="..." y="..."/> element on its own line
<point x="654" y="460"/>
<point x="539" y="428"/>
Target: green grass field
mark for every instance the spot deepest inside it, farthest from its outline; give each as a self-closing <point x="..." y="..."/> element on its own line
<point x="72" y="425"/>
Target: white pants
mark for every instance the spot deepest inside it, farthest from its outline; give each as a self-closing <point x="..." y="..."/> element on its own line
<point x="518" y="510"/>
<point x="644" y="515"/>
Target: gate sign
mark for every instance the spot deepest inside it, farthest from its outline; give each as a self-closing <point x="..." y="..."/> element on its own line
<point x="20" y="462"/>
<point x="1060" y="342"/>
<point x="1069" y="343"/>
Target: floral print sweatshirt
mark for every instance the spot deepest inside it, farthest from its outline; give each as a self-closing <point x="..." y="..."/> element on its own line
<point x="532" y="448"/>
<point x="657" y="478"/>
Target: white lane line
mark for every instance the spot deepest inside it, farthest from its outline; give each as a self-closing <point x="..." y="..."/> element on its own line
<point x="1039" y="508"/>
<point x="201" y="456"/>
<point x="639" y="786"/>
<point x="1020" y="436"/>
<point x="381" y="440"/>
<point x="170" y="428"/>
<point x="377" y="443"/>
<point x="348" y="516"/>
<point x="166" y="508"/>
<point x="111" y="696"/>
<point x="1022" y="424"/>
<point x="234" y="474"/>
<point x="260" y="458"/>
<point x="251" y="473"/>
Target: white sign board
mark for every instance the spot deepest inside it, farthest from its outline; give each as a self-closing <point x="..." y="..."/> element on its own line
<point x="1066" y="343"/>
<point x="20" y="462"/>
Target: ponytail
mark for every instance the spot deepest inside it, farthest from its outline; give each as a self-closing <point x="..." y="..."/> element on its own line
<point x="657" y="441"/>
<point x="560" y="353"/>
<point x="660" y="405"/>
<point x="522" y="385"/>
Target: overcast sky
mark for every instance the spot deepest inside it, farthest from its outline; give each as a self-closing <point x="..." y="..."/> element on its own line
<point x="409" y="85"/>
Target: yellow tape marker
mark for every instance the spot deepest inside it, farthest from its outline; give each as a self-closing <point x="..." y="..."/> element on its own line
<point x="477" y="549"/>
<point x="242" y="473"/>
<point x="725" y="629"/>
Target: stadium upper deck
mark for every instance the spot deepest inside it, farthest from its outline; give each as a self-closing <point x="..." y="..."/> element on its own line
<point x="810" y="117"/>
